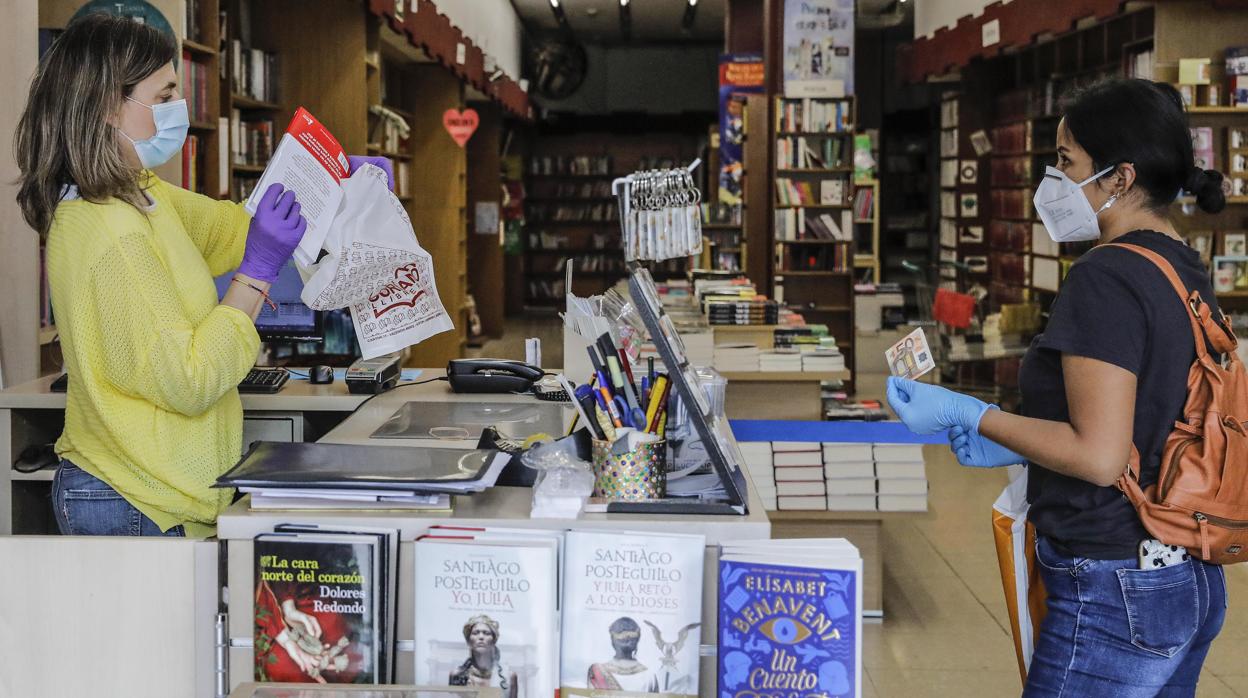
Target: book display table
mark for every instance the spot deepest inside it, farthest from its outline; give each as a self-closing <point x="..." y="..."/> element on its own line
<point x="500" y="506"/>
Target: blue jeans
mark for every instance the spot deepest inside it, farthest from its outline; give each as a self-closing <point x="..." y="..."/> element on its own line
<point x="1114" y="630"/>
<point x="85" y="505"/>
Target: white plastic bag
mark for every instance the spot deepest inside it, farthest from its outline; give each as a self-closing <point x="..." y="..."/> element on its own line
<point x="376" y="266"/>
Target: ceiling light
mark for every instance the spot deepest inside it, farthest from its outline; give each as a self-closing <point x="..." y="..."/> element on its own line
<point x="554" y="4"/>
<point x="693" y="3"/>
<point x="686" y="22"/>
<point x="623" y="3"/>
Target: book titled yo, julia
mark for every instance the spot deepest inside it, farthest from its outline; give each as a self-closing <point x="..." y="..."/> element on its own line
<point x="789" y="625"/>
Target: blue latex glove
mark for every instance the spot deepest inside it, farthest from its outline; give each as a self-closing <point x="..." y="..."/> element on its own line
<point x="275" y="232"/>
<point x="382" y="162"/>
<point x="977" y="451"/>
<point x="931" y="409"/>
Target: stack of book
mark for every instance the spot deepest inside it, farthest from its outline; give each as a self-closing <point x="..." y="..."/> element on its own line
<point x="547" y="612"/>
<point x="736" y="358"/>
<point x="795" y="224"/>
<point x="767" y="585"/>
<point x="902" y="477"/>
<point x="325" y="604"/>
<point x="823" y="360"/>
<point x="850" y="472"/>
<point x="295" y="476"/>
<point x="740" y="311"/>
<point x="760" y="467"/>
<point x="799" y="476"/>
<point x="780" y="360"/>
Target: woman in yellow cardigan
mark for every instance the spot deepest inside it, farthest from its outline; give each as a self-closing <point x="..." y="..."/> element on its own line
<point x="153" y="414"/>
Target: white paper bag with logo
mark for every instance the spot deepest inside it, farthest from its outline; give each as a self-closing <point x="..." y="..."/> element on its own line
<point x="375" y="265"/>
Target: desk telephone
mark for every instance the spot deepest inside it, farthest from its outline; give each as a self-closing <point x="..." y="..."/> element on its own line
<point x="491" y="375"/>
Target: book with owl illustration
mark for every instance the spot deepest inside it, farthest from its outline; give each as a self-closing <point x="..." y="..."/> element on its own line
<point x="632" y="614"/>
<point x="790" y="619"/>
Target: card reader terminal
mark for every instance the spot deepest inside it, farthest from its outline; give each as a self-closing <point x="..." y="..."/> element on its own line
<point x="375" y="375"/>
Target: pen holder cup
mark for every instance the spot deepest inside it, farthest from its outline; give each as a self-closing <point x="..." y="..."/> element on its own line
<point x="633" y="476"/>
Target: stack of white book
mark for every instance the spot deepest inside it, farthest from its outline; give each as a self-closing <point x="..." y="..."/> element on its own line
<point x="799" y="476"/>
<point x="823" y="361"/>
<point x="850" y="472"/>
<point x="902" y="477"/>
<point x="780" y="360"/>
<point x="736" y="357"/>
<point x="760" y="468"/>
<point x="699" y="345"/>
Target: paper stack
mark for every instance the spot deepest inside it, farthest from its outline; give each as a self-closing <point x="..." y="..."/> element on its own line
<point x="759" y="466"/>
<point x="799" y="476"/>
<point x="736" y="357"/>
<point x="902" y="477"/>
<point x="850" y="472"/>
<point x="780" y="360"/>
<point x="823" y="361"/>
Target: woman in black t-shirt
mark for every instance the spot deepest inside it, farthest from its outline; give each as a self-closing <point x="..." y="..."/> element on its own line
<point x="1109" y="371"/>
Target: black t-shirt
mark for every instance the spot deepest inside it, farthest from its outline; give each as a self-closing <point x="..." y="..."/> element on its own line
<point x="1115" y="306"/>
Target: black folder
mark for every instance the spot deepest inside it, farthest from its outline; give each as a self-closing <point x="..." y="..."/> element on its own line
<point x="274" y="465"/>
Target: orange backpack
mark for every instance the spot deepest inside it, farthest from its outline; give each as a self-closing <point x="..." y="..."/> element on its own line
<point x="1200" y="500"/>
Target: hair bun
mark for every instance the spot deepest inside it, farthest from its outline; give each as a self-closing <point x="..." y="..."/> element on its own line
<point x="1206" y="186"/>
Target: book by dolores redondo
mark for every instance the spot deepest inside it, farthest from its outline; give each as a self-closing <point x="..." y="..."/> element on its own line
<point x="787" y="630"/>
<point x="316" y="608"/>
<point x="486" y="614"/>
<point x="632" y="614"/>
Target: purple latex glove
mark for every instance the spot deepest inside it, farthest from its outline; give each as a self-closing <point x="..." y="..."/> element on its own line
<point x="383" y="163"/>
<point x="275" y="232"/>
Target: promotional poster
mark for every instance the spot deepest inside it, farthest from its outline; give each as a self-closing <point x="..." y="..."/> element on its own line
<point x="818" y="48"/>
<point x="740" y="74"/>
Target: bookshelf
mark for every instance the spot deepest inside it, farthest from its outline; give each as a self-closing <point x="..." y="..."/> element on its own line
<point x="814" y="217"/>
<point x="866" y="213"/>
<point x="571" y="218"/>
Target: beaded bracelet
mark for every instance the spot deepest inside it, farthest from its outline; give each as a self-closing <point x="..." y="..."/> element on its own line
<point x="268" y="301"/>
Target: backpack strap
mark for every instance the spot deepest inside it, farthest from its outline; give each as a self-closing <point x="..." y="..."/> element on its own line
<point x="1204" y="327"/>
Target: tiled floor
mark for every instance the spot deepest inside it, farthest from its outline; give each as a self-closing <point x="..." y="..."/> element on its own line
<point x="945" y="632"/>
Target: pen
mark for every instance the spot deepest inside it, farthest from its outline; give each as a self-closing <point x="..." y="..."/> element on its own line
<point x="658" y="397"/>
<point x="622" y="385"/>
<point x="608" y="405"/>
<point x="650" y="369"/>
<point x="645" y="391"/>
<point x="584" y="399"/>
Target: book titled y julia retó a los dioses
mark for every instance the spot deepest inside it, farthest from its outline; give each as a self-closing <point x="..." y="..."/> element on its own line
<point x="790" y="619"/>
<point x="632" y="614"/>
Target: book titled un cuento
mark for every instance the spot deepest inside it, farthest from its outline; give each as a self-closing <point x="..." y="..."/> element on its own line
<point x="790" y="619"/>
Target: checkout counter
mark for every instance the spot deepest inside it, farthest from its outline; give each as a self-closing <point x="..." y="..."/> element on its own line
<point x="158" y="599"/>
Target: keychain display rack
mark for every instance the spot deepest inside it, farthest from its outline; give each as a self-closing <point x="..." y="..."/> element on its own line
<point x="660" y="214"/>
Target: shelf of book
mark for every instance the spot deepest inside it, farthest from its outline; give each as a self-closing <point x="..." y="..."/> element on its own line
<point x="244" y="102"/>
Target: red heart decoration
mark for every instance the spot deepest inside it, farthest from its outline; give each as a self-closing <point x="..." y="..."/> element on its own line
<point x="460" y="124"/>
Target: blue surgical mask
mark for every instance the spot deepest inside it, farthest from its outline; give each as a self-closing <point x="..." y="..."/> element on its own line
<point x="172" y="122"/>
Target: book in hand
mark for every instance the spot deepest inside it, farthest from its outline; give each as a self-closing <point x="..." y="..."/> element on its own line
<point x="487" y="613"/>
<point x="310" y="162"/>
<point x="316" y="608"/>
<point x="790" y="618"/>
<point x="632" y="614"/>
